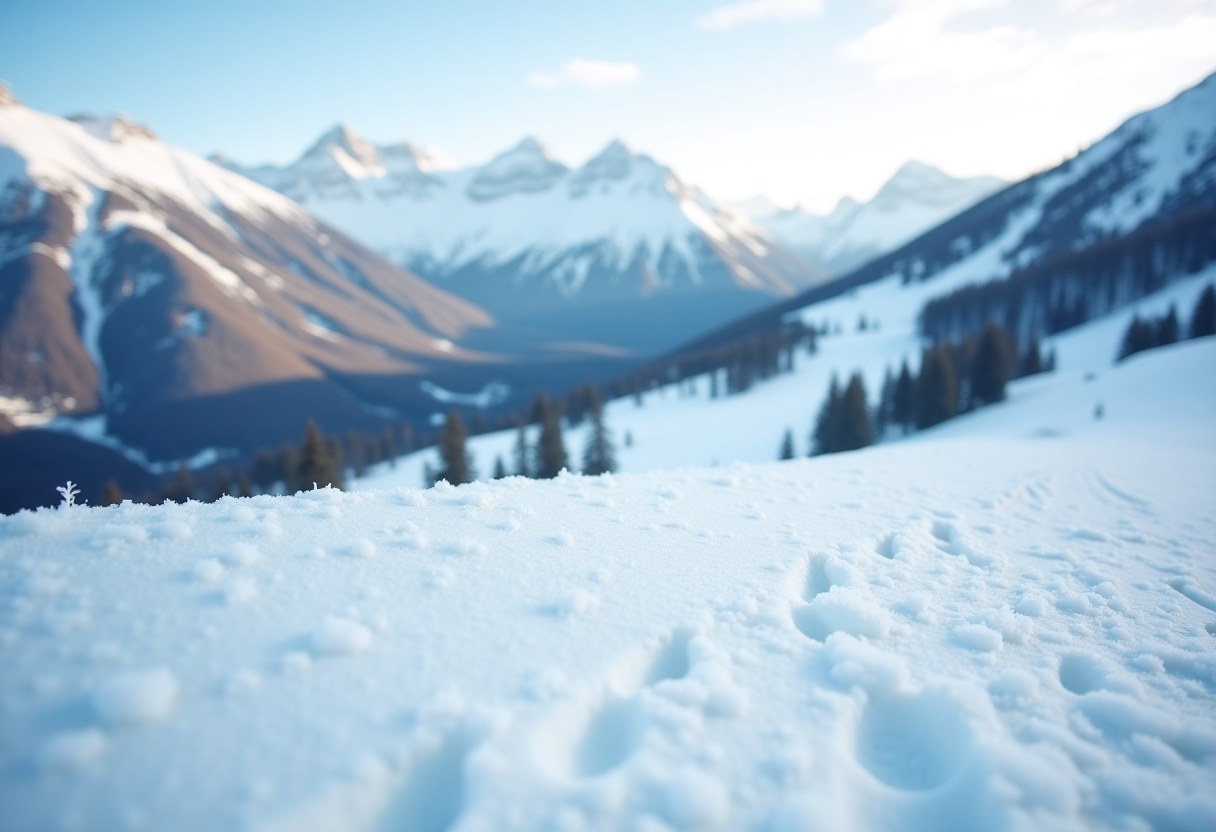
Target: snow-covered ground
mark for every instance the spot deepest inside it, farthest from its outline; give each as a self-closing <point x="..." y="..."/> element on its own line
<point x="674" y="429"/>
<point x="1006" y="622"/>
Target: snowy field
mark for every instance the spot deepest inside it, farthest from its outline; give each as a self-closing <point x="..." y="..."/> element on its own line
<point x="1005" y="622"/>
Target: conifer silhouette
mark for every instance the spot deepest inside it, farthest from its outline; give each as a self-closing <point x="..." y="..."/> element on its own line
<point x="990" y="370"/>
<point x="1203" y="319"/>
<point x="317" y="464"/>
<point x="599" y="455"/>
<point x="455" y="465"/>
<point x="500" y="470"/>
<point x="787" y="445"/>
<point x="902" y="409"/>
<point x="853" y="421"/>
<point x="823" y="438"/>
<point x="523" y="468"/>
<point x="550" y="449"/>
<point x="936" y="389"/>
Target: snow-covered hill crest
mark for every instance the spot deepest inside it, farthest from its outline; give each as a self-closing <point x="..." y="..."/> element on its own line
<point x="549" y="247"/>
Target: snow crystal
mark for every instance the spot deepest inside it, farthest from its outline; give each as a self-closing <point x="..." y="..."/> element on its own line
<point x="136" y="698"/>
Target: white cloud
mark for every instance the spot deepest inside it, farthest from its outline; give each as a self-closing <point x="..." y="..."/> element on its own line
<point x="595" y="75"/>
<point x="748" y="11"/>
<point x="924" y="38"/>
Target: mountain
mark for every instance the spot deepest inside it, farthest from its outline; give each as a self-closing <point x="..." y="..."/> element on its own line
<point x="619" y="250"/>
<point x="182" y="307"/>
<point x="1131" y="213"/>
<point x="912" y="201"/>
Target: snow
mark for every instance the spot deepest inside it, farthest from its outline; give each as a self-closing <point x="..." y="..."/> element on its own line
<point x="1004" y="622"/>
<point x="673" y="429"/>
<point x="522" y="205"/>
<point x="916" y="198"/>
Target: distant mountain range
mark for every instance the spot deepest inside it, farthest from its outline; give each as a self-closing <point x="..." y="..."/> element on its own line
<point x="184" y="307"/>
<point x="618" y="251"/>
<point x="1154" y="176"/>
<point x="915" y="199"/>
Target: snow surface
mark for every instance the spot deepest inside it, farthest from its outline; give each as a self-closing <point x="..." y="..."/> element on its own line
<point x="677" y="427"/>
<point x="1006" y="622"/>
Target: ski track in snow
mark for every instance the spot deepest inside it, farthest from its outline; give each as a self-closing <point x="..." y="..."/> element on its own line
<point x="954" y="633"/>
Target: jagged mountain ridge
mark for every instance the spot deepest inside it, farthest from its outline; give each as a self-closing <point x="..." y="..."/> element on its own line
<point x="618" y="250"/>
<point x="916" y="198"/>
<point x="189" y="307"/>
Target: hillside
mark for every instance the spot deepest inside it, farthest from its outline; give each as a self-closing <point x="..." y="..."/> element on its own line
<point x="1156" y="171"/>
<point x="1005" y="623"/>
<point x="618" y="250"/>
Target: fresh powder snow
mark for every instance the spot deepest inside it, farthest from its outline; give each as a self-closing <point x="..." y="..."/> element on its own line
<point x="1005" y="622"/>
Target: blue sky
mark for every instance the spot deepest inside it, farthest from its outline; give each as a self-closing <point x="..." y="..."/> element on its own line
<point x="803" y="100"/>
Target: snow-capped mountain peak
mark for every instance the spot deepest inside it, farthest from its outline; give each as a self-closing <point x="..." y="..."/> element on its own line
<point x="115" y="129"/>
<point x="528" y="167"/>
<point x="345" y="147"/>
<point x="916" y="198"/>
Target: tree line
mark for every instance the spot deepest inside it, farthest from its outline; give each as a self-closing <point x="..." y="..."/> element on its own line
<point x="953" y="378"/>
<point x="1147" y="333"/>
<point x="544" y="459"/>
<point x="1069" y="288"/>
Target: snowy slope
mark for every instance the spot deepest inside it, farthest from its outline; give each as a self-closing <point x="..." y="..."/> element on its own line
<point x="164" y="295"/>
<point x="992" y="626"/>
<point x="540" y="244"/>
<point x="674" y="428"/>
<point x="915" y="199"/>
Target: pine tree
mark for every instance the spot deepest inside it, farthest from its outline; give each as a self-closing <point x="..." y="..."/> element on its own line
<point x="317" y="465"/>
<point x="599" y="455"/>
<point x="550" y="449"/>
<point x="1032" y="361"/>
<point x="523" y="467"/>
<point x="1203" y="319"/>
<point x="936" y="389"/>
<point x="990" y="369"/>
<point x="456" y="466"/>
<point x="787" y="445"/>
<point x="853" y="420"/>
<point x="824" y="437"/>
<point x="111" y="493"/>
<point x="886" y="404"/>
<point x="902" y="409"/>
<point x="1139" y="336"/>
<point x="243" y="488"/>
<point x="1167" y="328"/>
<point x="500" y="470"/>
<point x="407" y="438"/>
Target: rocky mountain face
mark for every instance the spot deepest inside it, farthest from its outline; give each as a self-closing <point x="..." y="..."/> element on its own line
<point x="917" y="198"/>
<point x="618" y="251"/>
<point x="159" y="303"/>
